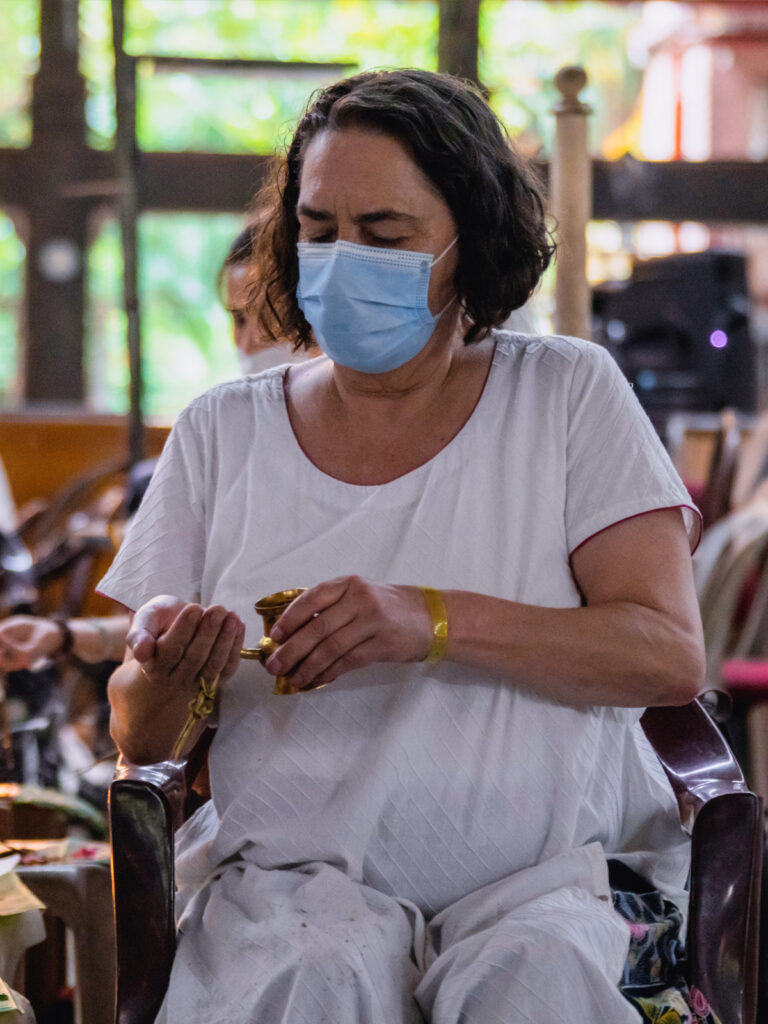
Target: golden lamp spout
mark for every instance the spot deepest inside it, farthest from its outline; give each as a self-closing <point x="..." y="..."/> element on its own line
<point x="270" y="608"/>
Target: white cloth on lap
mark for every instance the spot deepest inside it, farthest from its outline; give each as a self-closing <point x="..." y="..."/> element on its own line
<point x="425" y="783"/>
<point x="311" y="945"/>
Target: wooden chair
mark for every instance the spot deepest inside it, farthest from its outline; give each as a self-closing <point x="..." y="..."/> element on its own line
<point x="715" y="501"/>
<point x="148" y="803"/>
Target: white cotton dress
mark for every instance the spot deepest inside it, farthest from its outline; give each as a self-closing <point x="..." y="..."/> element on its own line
<point x="414" y="842"/>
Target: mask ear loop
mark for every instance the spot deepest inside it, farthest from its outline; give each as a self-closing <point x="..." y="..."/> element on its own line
<point x="448" y="248"/>
<point x="434" y="263"/>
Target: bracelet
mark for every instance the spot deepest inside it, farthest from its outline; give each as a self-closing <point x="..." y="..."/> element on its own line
<point x="105" y="641"/>
<point x="67" y="638"/>
<point x="200" y="707"/>
<point x="439" y="615"/>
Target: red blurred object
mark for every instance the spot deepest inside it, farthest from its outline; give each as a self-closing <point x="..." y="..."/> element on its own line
<point x="746" y="677"/>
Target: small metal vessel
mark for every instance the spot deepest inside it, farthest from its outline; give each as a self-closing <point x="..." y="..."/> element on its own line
<point x="270" y="608"/>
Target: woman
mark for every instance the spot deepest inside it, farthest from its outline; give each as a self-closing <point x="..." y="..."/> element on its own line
<point x="498" y="581"/>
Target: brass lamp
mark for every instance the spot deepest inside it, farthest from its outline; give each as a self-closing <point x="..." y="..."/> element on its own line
<point x="270" y="608"/>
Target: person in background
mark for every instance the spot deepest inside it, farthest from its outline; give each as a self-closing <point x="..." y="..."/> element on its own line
<point x="28" y="639"/>
<point x="255" y="352"/>
<point x="39" y="642"/>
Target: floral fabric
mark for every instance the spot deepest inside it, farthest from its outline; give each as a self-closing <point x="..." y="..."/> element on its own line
<point x="653" y="979"/>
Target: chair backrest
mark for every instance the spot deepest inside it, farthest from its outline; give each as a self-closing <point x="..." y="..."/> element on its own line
<point x="731" y="574"/>
<point x="715" y="501"/>
<point x="727" y="837"/>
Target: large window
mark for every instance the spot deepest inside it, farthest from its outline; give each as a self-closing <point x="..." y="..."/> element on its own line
<point x="11" y="291"/>
<point x="19" y="52"/>
<point x="627" y="49"/>
<point x="186" y="335"/>
<point x="242" y="112"/>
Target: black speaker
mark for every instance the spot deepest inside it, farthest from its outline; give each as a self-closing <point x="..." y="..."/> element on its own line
<point x="679" y="328"/>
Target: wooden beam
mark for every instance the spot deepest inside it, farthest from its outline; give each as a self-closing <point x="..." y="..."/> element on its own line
<point x="56" y="243"/>
<point x="244" y="68"/>
<point x="629" y="190"/>
<point x="713" y="191"/>
<point x="625" y="190"/>
<point x="207" y="182"/>
<point x="570" y="203"/>
<point x="458" y="38"/>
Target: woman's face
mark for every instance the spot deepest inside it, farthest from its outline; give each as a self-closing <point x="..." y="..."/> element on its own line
<point x="363" y="187"/>
<point x="244" y="325"/>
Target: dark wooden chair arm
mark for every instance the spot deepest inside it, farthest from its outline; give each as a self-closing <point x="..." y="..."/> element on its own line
<point x="146" y="806"/>
<point x="727" y="838"/>
<point x="695" y="756"/>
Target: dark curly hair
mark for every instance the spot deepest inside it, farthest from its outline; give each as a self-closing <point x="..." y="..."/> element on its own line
<point x="463" y="149"/>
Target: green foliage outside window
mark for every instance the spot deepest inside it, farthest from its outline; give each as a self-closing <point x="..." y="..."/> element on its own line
<point x="185" y="334"/>
<point x="242" y="112"/>
<point x="523" y="43"/>
<point x="11" y="290"/>
<point x="186" y="337"/>
<point x="19" y="51"/>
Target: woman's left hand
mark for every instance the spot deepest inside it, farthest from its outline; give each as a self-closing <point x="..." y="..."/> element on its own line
<point x="347" y="623"/>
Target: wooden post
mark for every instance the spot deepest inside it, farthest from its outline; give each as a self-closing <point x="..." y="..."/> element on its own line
<point x="571" y="204"/>
<point x="126" y="163"/>
<point x="56" y="232"/>
<point x="457" y="41"/>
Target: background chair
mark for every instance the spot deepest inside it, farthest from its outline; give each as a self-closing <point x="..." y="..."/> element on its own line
<point x="148" y="803"/>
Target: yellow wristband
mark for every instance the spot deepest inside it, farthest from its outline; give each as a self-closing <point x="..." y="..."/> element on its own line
<point x="439" y="616"/>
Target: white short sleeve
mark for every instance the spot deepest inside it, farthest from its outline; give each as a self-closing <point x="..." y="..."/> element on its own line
<point x="617" y="467"/>
<point x="164" y="548"/>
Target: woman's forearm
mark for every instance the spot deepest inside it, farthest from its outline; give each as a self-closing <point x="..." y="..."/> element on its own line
<point x="618" y="653"/>
<point x="636" y="641"/>
<point x="146" y="719"/>
<point x="99" y="639"/>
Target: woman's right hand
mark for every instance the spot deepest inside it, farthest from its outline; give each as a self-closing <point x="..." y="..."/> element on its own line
<point x="175" y="642"/>
<point x="170" y="645"/>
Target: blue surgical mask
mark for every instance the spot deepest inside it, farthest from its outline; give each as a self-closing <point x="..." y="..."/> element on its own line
<point x="367" y="306"/>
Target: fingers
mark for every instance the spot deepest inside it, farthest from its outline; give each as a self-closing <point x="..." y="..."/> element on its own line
<point x="215" y="645"/>
<point x="317" y="655"/>
<point x="141" y="642"/>
<point x="306" y="679"/>
<point x="348" y="623"/>
<point x="198" y="641"/>
<point x="309" y="604"/>
<point x="151" y="621"/>
<point x="172" y="647"/>
<point x="321" y="640"/>
<point x="27" y="639"/>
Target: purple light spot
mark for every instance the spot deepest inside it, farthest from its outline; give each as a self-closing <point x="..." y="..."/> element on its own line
<point x="718" y="339"/>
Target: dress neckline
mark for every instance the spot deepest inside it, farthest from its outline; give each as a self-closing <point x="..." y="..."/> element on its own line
<point x="454" y="445"/>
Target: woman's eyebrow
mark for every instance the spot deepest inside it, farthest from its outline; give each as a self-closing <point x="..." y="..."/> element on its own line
<point x="310" y="213"/>
<point x="378" y="215"/>
<point x="364" y="218"/>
